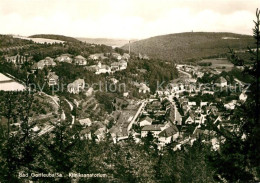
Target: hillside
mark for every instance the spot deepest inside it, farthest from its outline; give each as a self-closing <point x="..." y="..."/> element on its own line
<point x="109" y="42"/>
<point x="55" y="37"/>
<point x="190" y="46"/>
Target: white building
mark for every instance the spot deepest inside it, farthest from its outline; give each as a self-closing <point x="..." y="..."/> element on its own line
<point x="146" y="121"/>
<point x="76" y="86"/>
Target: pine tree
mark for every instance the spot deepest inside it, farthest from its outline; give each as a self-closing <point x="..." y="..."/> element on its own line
<point x="238" y="159"/>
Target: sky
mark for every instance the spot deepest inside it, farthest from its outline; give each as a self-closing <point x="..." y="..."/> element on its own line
<point x="125" y="19"/>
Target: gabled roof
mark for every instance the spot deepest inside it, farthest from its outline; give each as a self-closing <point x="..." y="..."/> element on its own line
<point x="79" y="81"/>
<point x="80" y="57"/>
<point x="152" y="128"/>
<point x="221" y="80"/>
<point x="52" y="75"/>
<point x="115" y="64"/>
<point x="169" y="131"/>
<point x="85" y="121"/>
<point x="66" y="55"/>
<point x="147" y="118"/>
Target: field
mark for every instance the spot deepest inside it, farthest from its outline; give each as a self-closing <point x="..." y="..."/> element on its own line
<point x="219" y="64"/>
<point x="40" y="40"/>
<point x="7" y="84"/>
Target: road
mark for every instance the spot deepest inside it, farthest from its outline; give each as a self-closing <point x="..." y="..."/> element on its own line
<point x="136" y="115"/>
<point x="189" y="75"/>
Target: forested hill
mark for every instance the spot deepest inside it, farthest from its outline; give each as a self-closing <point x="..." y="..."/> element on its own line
<point x="190" y="45"/>
<point x="55" y="37"/>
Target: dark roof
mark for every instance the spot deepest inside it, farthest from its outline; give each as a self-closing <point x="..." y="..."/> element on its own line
<point x="169" y="131"/>
<point x="152" y="128"/>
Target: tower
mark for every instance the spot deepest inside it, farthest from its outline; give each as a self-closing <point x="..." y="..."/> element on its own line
<point x="129" y="48"/>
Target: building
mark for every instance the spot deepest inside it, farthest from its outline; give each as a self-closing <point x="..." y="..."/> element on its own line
<point x="76" y="86"/>
<point x="221" y="82"/>
<point x="119" y="103"/>
<point x="174" y="116"/>
<point x="143" y="88"/>
<point x="48" y="62"/>
<point x="125" y="94"/>
<point x="93" y="57"/>
<point x="115" y="66"/>
<point x="65" y="58"/>
<point x="102" y="68"/>
<point x="126" y="56"/>
<point x="169" y="134"/>
<point x="17" y="59"/>
<point x="116" y="56"/>
<point x="80" y="60"/>
<point x="122" y="64"/>
<point x="154" y="129"/>
<point x="97" y="56"/>
<point x="53" y="79"/>
<point x="85" y="122"/>
<point x="38" y="65"/>
<point x="231" y="105"/>
<point x="242" y="97"/>
<point x="146" y="121"/>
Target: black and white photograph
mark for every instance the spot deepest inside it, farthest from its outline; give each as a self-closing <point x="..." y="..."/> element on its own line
<point x="129" y="91"/>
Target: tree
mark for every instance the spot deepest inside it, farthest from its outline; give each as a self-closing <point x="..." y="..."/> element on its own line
<point x="19" y="146"/>
<point x="238" y="159"/>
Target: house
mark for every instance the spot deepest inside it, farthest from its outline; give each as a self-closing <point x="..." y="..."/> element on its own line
<point x="115" y="66"/>
<point x="143" y="88"/>
<point x="221" y="82"/>
<point x="76" y="86"/>
<point x="115" y="133"/>
<point x="119" y="103"/>
<point x="192" y="103"/>
<point x="48" y="61"/>
<point x="169" y="134"/>
<point x="207" y="92"/>
<point x="117" y="56"/>
<point x="203" y="104"/>
<point x="38" y="65"/>
<point x="174" y="116"/>
<point x="211" y="109"/>
<point x="146" y="121"/>
<point x="154" y="129"/>
<point x="80" y="60"/>
<point x="144" y="56"/>
<point x="191" y="118"/>
<point x="122" y="64"/>
<point x="89" y="92"/>
<point x="126" y="56"/>
<point x="85" y="133"/>
<point x="243" y="97"/>
<point x="17" y="59"/>
<point x="113" y="80"/>
<point x="154" y="106"/>
<point x="103" y="68"/>
<point x="97" y="56"/>
<point x="52" y="79"/>
<point x="92" y="68"/>
<point x="85" y="122"/>
<point x="199" y="74"/>
<point x="125" y="94"/>
<point x="64" y="58"/>
<point x="231" y="105"/>
<point x="93" y="57"/>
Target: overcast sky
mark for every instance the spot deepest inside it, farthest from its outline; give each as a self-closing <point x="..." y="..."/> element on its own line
<point x="125" y="18"/>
